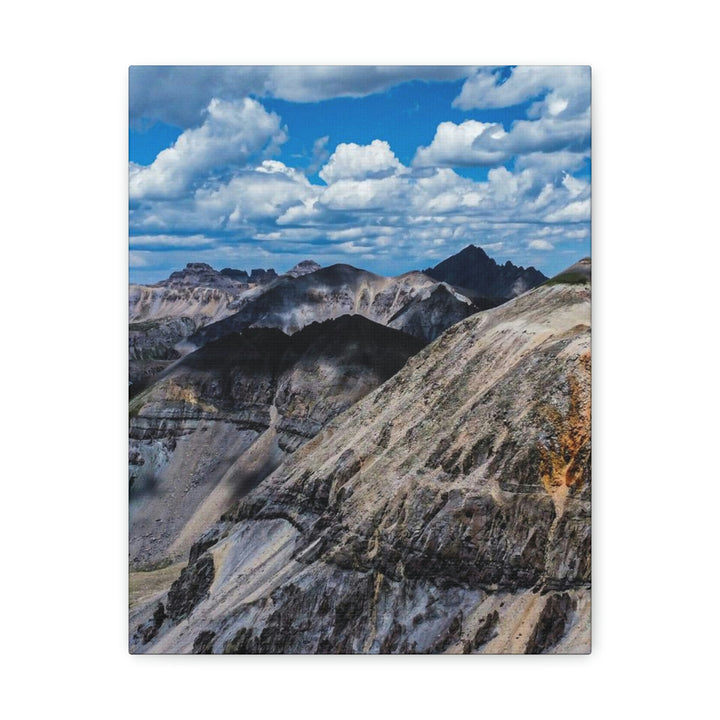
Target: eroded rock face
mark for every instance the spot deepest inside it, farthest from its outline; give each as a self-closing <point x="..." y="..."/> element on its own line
<point x="203" y="644"/>
<point x="201" y="304"/>
<point x="209" y="538"/>
<point x="152" y="348"/>
<point x="230" y="413"/>
<point x="486" y="630"/>
<point x="552" y="623"/>
<point x="191" y="587"/>
<point x="448" y="511"/>
<point x="149" y="629"/>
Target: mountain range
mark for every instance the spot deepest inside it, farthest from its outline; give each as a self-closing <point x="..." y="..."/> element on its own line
<point x="198" y="303"/>
<point x="334" y="461"/>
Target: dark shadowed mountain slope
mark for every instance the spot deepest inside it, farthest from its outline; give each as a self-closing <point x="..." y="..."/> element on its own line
<point x="471" y="269"/>
<point x="448" y="511"/>
<point x="226" y="415"/>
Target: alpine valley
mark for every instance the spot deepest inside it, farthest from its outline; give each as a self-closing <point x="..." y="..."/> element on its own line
<point x="333" y="461"/>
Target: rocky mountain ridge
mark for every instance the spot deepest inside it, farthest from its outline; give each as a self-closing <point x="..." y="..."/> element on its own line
<point x="165" y="314"/>
<point x="200" y="274"/>
<point x="291" y="303"/>
<point x="303" y="268"/>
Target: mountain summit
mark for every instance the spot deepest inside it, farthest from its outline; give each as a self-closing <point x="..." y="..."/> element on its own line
<point x="472" y="269"/>
<point x="303" y="268"/>
<point x="577" y="274"/>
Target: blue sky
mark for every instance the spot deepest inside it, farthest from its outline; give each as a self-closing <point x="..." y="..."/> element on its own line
<point x="390" y="169"/>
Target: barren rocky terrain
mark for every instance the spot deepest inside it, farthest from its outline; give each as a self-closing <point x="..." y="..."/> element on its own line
<point x="229" y="413"/>
<point x="446" y="511"/>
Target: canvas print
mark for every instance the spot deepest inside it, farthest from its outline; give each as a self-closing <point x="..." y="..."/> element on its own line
<point x="359" y="360"/>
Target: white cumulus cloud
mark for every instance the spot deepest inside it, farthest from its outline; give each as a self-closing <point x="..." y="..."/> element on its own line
<point x="357" y="162"/>
<point x="178" y="94"/>
<point x="231" y="134"/>
<point x="565" y="89"/>
<point x="455" y="145"/>
<point x="578" y="211"/>
<point x="540" y="245"/>
<point x="547" y="134"/>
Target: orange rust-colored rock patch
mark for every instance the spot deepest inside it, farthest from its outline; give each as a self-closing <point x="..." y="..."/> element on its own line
<point x="563" y="463"/>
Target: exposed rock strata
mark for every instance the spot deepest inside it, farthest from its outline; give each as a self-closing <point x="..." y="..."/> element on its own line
<point x="191" y="587"/>
<point x="227" y="415"/>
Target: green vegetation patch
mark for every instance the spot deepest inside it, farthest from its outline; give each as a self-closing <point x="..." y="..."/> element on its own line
<point x="571" y="278"/>
<point x="147" y="582"/>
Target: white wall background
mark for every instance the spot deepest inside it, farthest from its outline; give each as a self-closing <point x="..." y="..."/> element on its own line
<point x="63" y="278"/>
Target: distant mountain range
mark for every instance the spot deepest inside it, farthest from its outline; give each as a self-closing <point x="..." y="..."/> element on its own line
<point x="199" y="304"/>
<point x="290" y="303"/>
<point x="203" y="275"/>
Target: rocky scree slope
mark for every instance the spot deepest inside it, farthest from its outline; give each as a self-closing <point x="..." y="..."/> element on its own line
<point x="446" y="512"/>
<point x="229" y="413"/>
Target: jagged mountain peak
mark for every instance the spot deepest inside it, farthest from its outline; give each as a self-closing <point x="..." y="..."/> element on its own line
<point x="305" y="267"/>
<point x="199" y="266"/>
<point x="473" y="270"/>
<point x="200" y="274"/>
